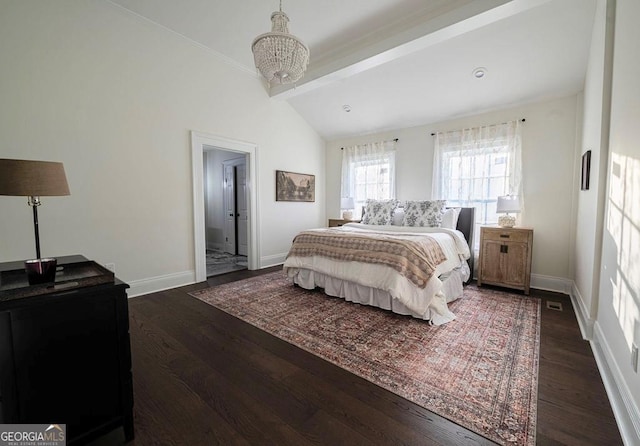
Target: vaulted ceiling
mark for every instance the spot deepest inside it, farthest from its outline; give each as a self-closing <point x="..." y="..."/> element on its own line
<point x="400" y="63"/>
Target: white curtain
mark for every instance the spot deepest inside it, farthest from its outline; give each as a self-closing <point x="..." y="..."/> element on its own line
<point x="472" y="167"/>
<point x="368" y="171"/>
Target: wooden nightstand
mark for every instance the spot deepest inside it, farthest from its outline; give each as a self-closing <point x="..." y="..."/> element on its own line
<point x="333" y="222"/>
<point x="505" y="257"/>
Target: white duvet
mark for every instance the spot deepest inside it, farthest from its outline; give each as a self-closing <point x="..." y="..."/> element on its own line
<point x="418" y="300"/>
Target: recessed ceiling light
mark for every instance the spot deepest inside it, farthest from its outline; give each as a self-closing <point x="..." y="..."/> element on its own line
<point x="479" y="72"/>
<point x="346" y="108"/>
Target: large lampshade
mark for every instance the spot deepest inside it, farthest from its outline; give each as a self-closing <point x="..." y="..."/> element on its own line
<point x="280" y="57"/>
<point x="508" y="204"/>
<point x="26" y="178"/>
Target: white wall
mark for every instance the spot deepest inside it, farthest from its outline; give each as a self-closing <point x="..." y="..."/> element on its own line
<point x="617" y="326"/>
<point x="548" y="145"/>
<point x="115" y="97"/>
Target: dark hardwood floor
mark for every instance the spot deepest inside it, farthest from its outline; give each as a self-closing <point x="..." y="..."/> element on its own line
<point x="202" y="377"/>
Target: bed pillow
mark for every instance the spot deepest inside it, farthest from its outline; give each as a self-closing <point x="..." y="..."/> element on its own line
<point x="450" y="218"/>
<point x="398" y="217"/>
<point x="423" y="213"/>
<point x="379" y="212"/>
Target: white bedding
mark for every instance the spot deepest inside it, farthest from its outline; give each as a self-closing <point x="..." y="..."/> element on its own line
<point x="373" y="284"/>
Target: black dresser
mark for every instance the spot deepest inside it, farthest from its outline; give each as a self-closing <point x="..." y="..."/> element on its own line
<point x="65" y="355"/>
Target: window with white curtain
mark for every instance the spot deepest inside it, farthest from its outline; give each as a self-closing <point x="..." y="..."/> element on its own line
<point x="473" y="167"/>
<point x="368" y="171"/>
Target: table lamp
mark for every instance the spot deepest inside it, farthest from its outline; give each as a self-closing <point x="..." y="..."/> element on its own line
<point x="347" y="204"/>
<point x="507" y="204"/>
<point x="34" y="179"/>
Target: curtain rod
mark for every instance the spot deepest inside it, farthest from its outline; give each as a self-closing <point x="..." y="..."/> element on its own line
<point x="394" y="140"/>
<point x="521" y="120"/>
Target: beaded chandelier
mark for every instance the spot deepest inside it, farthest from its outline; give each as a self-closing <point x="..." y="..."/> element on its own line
<point x="280" y="57"/>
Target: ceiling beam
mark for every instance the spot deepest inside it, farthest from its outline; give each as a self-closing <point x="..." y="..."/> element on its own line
<point x="472" y="16"/>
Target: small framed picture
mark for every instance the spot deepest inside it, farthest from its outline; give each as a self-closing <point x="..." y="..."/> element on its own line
<point x="291" y="186"/>
<point x="586" y="170"/>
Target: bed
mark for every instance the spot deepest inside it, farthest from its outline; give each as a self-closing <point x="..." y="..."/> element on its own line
<point x="407" y="274"/>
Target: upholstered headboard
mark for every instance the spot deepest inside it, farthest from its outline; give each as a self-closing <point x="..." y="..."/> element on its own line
<point x="466" y="224"/>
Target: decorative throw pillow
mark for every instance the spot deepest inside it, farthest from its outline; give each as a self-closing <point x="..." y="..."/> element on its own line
<point x="450" y="218"/>
<point x="379" y="212"/>
<point x="398" y="217"/>
<point x="423" y="213"/>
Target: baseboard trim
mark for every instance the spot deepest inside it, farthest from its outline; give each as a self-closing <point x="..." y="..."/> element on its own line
<point x="624" y="409"/>
<point x="276" y="259"/>
<point x="551" y="283"/>
<point x="585" y="322"/>
<point x="175" y="280"/>
<point x="160" y="283"/>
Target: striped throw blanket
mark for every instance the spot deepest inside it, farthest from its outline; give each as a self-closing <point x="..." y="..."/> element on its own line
<point x="415" y="257"/>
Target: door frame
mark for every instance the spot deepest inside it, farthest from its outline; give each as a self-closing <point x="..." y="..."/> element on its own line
<point x="199" y="142"/>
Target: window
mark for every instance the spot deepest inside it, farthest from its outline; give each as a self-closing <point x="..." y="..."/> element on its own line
<point x="368" y="171"/>
<point x="473" y="167"/>
<point x="476" y="180"/>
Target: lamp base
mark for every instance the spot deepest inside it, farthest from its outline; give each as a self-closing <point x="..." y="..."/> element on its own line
<point x="41" y="271"/>
<point x="507" y="221"/>
<point x="347" y="215"/>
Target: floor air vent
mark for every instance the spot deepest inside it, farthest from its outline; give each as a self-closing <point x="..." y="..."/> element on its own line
<point x="554" y="305"/>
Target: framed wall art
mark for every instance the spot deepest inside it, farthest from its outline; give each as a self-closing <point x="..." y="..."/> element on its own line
<point x="586" y="170"/>
<point x="291" y="186"/>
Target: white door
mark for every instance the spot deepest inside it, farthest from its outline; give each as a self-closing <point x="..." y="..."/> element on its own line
<point x="229" y="199"/>
<point x="242" y="211"/>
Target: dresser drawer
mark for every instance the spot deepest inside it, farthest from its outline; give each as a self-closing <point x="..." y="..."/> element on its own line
<point x="506" y="235"/>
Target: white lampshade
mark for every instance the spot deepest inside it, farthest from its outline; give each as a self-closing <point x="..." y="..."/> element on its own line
<point x="347" y="203"/>
<point x="508" y="204"/>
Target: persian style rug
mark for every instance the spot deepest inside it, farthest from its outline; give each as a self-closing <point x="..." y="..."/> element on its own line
<point x="479" y="371"/>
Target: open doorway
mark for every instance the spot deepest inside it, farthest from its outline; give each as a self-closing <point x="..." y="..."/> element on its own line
<point x="225" y="210"/>
<point x="200" y="143"/>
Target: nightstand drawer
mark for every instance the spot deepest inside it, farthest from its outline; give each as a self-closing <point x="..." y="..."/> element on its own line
<point x="506" y="234"/>
<point x="333" y="222"/>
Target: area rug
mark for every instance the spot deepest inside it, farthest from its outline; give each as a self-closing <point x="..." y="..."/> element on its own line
<point x="479" y="371"/>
